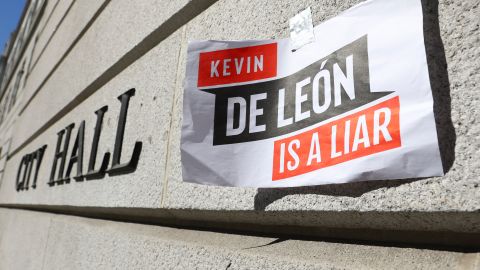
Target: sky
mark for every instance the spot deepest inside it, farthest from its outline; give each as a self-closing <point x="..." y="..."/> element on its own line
<point x="10" y="12"/>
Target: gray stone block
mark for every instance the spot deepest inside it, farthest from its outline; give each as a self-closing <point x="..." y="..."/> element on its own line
<point x="154" y="84"/>
<point x="53" y="16"/>
<point x="105" y="65"/>
<point x="68" y="21"/>
<point x="449" y="203"/>
<point x="120" y="27"/>
<point x="23" y="239"/>
<point x="80" y="243"/>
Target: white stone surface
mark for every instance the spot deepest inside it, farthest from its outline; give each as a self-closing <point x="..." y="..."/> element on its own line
<point x="54" y="15"/>
<point x="23" y="239"/>
<point x="456" y="192"/>
<point x="81" y="86"/>
<point x="48" y="241"/>
<point x="120" y="27"/>
<point x="152" y="101"/>
<point x="56" y="39"/>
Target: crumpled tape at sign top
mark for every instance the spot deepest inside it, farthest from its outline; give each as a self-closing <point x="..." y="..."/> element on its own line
<point x="301" y="29"/>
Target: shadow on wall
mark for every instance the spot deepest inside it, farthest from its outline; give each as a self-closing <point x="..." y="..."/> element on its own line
<point x="437" y="67"/>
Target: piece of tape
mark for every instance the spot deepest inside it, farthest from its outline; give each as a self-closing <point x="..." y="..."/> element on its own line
<point x="301" y="29"/>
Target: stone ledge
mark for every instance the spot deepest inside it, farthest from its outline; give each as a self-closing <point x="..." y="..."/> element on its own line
<point x="68" y="242"/>
<point x="440" y="229"/>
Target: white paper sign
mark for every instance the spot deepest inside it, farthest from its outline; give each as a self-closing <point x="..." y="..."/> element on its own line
<point x="354" y="105"/>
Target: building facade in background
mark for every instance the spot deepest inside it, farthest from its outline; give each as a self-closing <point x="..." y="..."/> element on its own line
<point x="90" y="177"/>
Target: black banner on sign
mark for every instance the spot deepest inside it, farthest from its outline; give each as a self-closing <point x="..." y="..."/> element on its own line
<point x="329" y="87"/>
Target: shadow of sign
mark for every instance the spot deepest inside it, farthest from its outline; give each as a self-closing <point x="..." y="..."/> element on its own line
<point x="438" y="73"/>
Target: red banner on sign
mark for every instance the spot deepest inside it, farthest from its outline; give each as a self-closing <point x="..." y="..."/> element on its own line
<point x="366" y="132"/>
<point x="237" y="65"/>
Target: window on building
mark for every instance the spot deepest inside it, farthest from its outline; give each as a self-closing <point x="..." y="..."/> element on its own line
<point x="16" y="86"/>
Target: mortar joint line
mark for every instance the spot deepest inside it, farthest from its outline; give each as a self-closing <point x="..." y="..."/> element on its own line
<point x="172" y="115"/>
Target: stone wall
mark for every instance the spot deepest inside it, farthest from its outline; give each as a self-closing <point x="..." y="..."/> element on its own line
<point x="88" y="53"/>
